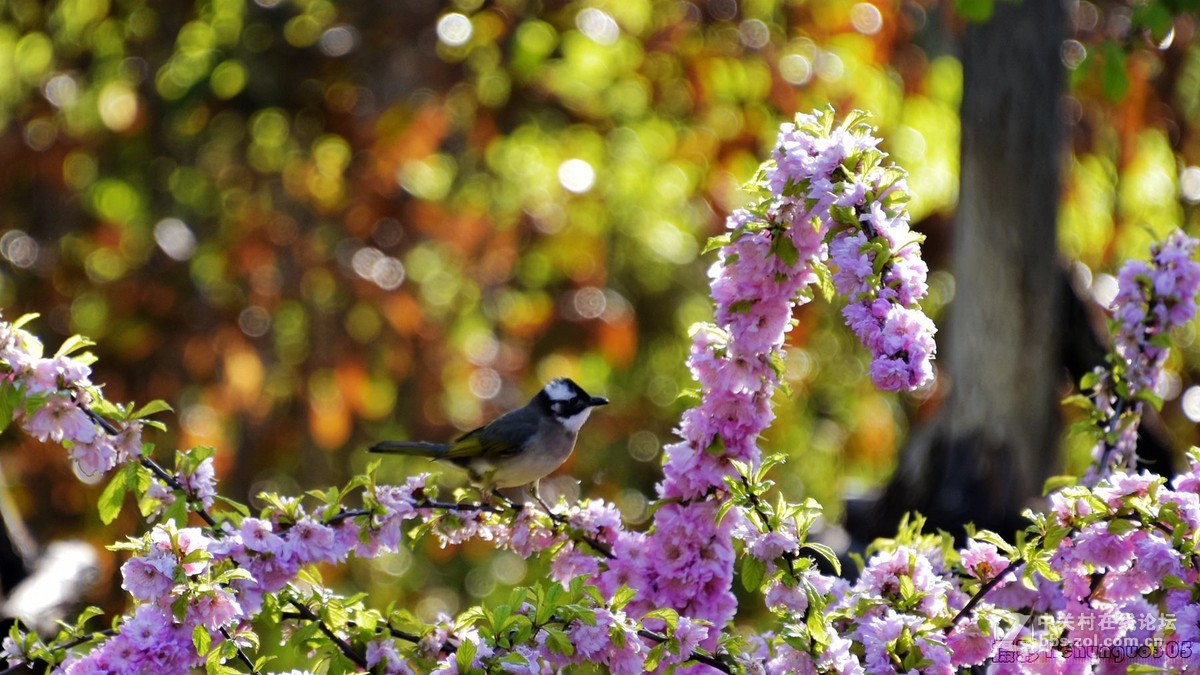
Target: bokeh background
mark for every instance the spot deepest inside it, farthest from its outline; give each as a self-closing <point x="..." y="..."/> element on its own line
<point x="310" y="225"/>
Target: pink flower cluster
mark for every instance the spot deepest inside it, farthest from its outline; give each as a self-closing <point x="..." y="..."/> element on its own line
<point x="1112" y="572"/>
<point x="875" y="258"/>
<point x="1153" y="297"/>
<point x="1120" y="575"/>
<point x="173" y="564"/>
<point x="775" y="246"/>
<point x="59" y="386"/>
<point x="591" y="643"/>
<point x="150" y="641"/>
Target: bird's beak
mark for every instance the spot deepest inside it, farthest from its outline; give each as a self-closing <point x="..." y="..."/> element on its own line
<point x="598" y="400"/>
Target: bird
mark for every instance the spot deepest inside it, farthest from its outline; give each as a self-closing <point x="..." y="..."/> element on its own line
<point x="517" y="449"/>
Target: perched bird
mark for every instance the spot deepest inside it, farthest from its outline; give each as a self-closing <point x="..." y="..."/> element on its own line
<point x="518" y="448"/>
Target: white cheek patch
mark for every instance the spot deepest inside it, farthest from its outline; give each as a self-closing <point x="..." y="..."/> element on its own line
<point x="574" y="422"/>
<point x="559" y="391"/>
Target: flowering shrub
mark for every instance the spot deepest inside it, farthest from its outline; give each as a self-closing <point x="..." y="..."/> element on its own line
<point x="1106" y="577"/>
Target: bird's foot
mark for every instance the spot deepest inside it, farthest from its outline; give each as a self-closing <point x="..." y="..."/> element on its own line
<point x="558" y="518"/>
<point x="505" y="502"/>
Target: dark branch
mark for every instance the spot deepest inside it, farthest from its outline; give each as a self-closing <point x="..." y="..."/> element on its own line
<point x="308" y="615"/>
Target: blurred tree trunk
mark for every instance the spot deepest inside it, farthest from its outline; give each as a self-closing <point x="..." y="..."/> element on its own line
<point x="997" y="435"/>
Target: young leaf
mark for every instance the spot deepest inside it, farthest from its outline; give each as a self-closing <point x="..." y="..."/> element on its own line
<point x="825" y="552"/>
<point x="784" y="249"/>
<point x="202" y="639"/>
<point x="1056" y="483"/>
<point x="753" y="572"/>
<point x="717" y="242"/>
<point x="155" y="406"/>
<point x="558" y="641"/>
<point x="73" y="344"/>
<point x="10" y="398"/>
<point x="24" y="319"/>
<point x="113" y="496"/>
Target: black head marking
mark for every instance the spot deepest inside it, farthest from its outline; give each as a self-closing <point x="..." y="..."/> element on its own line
<point x="563" y="398"/>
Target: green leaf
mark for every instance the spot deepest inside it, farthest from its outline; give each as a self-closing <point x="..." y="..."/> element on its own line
<point x="1120" y="526"/>
<point x="202" y="639"/>
<point x="24" y="319"/>
<point x="1114" y="80"/>
<point x="558" y="641"/>
<point x="825" y="282"/>
<point x="784" y="249"/>
<point x="741" y="306"/>
<point x="718" y="242"/>
<point x="1089" y="380"/>
<point x="1079" y="401"/>
<point x="113" y="497"/>
<point x="213" y="665"/>
<point x="10" y="398"/>
<point x="155" y="406"/>
<point x="86" y="615"/>
<point x="465" y="655"/>
<point x="753" y="572"/>
<point x="717" y="447"/>
<point x="1173" y="582"/>
<point x="1155" y="17"/>
<point x="1150" y="397"/>
<point x="993" y="539"/>
<point x="622" y="597"/>
<point x="668" y="615"/>
<point x="825" y="552"/>
<point x="844" y="215"/>
<point x="977" y="11"/>
<point x="177" y="512"/>
<point x="234" y="504"/>
<point x="1056" y="483"/>
<point x="73" y="344"/>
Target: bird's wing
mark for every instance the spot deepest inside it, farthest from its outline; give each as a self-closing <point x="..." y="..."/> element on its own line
<point x="498" y="439"/>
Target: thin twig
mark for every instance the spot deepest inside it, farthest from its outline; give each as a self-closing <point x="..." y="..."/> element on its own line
<point x="457" y="506"/>
<point x="985" y="589"/>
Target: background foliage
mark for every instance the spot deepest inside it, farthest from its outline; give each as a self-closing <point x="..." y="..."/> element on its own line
<point x="311" y="225"/>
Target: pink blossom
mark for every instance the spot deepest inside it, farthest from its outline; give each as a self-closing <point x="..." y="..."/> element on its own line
<point x="983" y="561"/>
<point x="257" y="536"/>
<point x="61" y="420"/>
<point x="969" y="645"/>
<point x="148" y="578"/>
<point x="571" y="562"/>
<point x="94" y="458"/>
<point x="215" y="609"/>
<point x="57" y="373"/>
<point x="309" y="541"/>
<point x="201" y="484"/>
<point x="1120" y="485"/>
<point x="788" y="660"/>
<point x="383" y="656"/>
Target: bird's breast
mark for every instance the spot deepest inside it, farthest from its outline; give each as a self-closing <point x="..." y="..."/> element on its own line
<point x="555" y="444"/>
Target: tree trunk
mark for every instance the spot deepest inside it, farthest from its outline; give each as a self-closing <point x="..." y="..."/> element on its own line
<point x="996" y="439"/>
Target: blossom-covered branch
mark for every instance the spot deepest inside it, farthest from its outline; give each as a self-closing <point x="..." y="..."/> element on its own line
<point x="1153" y="297"/>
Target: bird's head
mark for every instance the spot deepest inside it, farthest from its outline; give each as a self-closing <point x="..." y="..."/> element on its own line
<point x="567" y="402"/>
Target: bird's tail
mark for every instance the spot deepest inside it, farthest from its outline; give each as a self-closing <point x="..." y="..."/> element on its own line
<point x="413" y="448"/>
